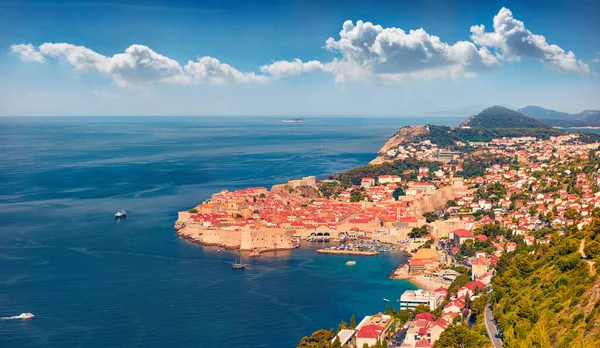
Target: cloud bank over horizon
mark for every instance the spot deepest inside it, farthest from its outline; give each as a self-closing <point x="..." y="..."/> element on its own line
<point x="364" y="52"/>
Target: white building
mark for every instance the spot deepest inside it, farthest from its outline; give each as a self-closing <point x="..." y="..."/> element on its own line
<point x="386" y="179"/>
<point x="410" y="299"/>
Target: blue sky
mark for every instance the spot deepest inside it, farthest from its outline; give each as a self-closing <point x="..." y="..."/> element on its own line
<point x="295" y="57"/>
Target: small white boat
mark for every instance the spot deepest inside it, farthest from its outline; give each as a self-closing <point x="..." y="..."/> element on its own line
<point x="25" y="315"/>
<point x="350" y="263"/>
<point x="120" y="214"/>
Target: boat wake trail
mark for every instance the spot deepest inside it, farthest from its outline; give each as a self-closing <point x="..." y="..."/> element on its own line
<point x="21" y="316"/>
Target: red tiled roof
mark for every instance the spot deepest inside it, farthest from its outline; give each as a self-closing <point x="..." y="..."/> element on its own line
<point x="425" y="315"/>
<point x="481" y="237"/>
<point x="462" y="233"/>
<point x="370" y="331"/>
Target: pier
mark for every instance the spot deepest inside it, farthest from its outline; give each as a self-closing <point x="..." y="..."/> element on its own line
<point x="347" y="252"/>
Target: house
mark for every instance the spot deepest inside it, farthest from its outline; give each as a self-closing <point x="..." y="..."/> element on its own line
<point x="386" y="179"/>
<point x="423" y="259"/>
<point x="367" y="182"/>
<point x="469" y="288"/>
<point x="461" y="235"/>
<point x="479" y="267"/>
<point x="372" y="329"/>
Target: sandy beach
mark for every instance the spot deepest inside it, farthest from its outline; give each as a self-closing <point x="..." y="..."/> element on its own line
<point x="423" y="282"/>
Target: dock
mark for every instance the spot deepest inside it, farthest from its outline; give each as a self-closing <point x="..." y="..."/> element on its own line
<point x="347" y="252"/>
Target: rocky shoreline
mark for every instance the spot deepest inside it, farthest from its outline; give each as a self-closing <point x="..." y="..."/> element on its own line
<point x="199" y="242"/>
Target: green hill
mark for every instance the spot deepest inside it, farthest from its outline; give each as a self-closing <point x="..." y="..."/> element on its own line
<point x="501" y="117"/>
<point x="547" y="296"/>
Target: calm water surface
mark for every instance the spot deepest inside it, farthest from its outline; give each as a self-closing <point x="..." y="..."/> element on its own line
<point x="93" y="281"/>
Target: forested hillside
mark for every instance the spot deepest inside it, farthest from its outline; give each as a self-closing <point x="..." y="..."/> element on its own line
<point x="550" y="297"/>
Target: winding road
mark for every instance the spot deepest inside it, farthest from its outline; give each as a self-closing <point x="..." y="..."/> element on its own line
<point x="490" y="327"/>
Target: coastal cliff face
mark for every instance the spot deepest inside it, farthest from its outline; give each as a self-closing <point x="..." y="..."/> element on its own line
<point x="305" y="187"/>
<point x="245" y="240"/>
<point x="404" y="135"/>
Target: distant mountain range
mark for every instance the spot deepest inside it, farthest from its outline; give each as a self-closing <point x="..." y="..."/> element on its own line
<point x="587" y="118"/>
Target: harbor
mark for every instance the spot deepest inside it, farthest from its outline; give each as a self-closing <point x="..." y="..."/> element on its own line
<point x="347" y="252"/>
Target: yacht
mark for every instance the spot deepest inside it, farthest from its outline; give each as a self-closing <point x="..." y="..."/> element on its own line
<point x="350" y="263"/>
<point x="239" y="265"/>
<point x="294" y="120"/>
<point x="120" y="214"/>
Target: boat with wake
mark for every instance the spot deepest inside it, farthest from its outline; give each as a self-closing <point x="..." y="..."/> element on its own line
<point x="25" y="315"/>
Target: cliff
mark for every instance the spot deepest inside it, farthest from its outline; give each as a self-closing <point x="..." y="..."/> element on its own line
<point x="404" y="135"/>
<point x="305" y="187"/>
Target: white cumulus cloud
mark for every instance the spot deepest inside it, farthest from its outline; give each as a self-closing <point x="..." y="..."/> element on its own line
<point x="513" y="41"/>
<point x="27" y="52"/>
<point x="368" y="50"/>
<point x="211" y="70"/>
<point x="137" y="66"/>
<point x="284" y="68"/>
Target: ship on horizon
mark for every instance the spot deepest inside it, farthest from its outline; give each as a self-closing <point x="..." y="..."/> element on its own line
<point x="294" y="120"/>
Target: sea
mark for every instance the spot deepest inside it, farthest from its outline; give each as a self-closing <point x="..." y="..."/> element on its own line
<point x="93" y="281"/>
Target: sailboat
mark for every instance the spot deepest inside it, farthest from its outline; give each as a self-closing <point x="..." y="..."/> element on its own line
<point x="239" y="265"/>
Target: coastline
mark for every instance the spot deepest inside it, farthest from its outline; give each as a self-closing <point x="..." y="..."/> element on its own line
<point x="199" y="242"/>
<point x="195" y="241"/>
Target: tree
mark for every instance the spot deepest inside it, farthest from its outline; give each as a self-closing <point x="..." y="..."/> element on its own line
<point x="422" y="309"/>
<point x="591" y="249"/>
<point x="318" y="339"/>
<point x="337" y="343"/>
<point x="397" y="193"/>
<point x="458" y="283"/>
<point x="342" y="326"/>
<point x="418" y="232"/>
<point x="430" y="216"/>
<point x="353" y="322"/>
<point x="460" y="336"/>
<point x="357" y="196"/>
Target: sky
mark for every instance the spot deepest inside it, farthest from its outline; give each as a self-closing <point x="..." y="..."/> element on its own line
<point x="296" y="58"/>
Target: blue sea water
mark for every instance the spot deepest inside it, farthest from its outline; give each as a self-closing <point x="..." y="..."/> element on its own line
<point x="92" y="281"/>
